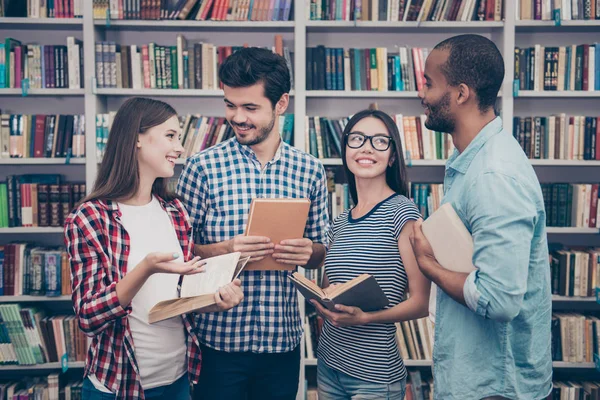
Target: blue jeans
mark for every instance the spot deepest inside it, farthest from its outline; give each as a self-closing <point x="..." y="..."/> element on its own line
<point x="178" y="390"/>
<point x="336" y="385"/>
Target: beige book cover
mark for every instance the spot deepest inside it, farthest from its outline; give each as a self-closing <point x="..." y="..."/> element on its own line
<point x="277" y="219"/>
<point x="451" y="242"/>
<point x="198" y="290"/>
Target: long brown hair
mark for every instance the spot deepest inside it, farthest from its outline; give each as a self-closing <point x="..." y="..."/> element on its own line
<point x="119" y="176"/>
<point x="395" y="175"/>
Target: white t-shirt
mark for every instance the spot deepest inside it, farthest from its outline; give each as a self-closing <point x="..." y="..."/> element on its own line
<point x="160" y="348"/>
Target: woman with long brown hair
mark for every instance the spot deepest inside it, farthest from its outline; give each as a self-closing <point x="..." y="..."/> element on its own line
<point x="129" y="242"/>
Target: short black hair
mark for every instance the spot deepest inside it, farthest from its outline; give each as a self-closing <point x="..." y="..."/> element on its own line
<point x="251" y="65"/>
<point x="475" y="61"/>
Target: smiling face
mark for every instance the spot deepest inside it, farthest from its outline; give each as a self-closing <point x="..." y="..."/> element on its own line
<point x="436" y="94"/>
<point x="250" y="113"/>
<point x="366" y="162"/>
<point x="158" y="148"/>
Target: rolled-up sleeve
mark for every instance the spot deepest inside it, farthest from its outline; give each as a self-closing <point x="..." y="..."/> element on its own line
<point x="502" y="217"/>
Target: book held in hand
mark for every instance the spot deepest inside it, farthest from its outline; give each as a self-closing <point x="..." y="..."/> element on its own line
<point x="363" y="292"/>
<point x="451" y="242"/>
<point x="198" y="290"/>
<point x="277" y="219"/>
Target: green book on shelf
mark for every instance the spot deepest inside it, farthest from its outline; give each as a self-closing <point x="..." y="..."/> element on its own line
<point x="3" y="205"/>
<point x="9" y="44"/>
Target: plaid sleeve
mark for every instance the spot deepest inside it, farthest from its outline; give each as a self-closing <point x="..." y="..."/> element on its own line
<point x="96" y="305"/>
<point x="318" y="218"/>
<point x="192" y="187"/>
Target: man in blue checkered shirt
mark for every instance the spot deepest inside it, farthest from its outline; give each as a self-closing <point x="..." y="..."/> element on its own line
<point x="253" y="350"/>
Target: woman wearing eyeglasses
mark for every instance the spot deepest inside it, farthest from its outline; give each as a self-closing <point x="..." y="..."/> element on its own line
<point x="358" y="356"/>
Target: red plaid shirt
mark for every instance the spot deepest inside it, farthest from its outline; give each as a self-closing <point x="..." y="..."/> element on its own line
<point x="98" y="247"/>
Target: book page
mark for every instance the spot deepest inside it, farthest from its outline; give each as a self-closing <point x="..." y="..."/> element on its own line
<point x="219" y="271"/>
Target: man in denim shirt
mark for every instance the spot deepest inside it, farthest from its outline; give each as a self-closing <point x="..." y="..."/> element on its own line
<point x="492" y="328"/>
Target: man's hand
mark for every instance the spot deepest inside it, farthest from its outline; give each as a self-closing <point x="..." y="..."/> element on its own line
<point x="255" y="247"/>
<point x="346" y="315"/>
<point x="294" y="251"/>
<point x="422" y="249"/>
<point x="229" y="296"/>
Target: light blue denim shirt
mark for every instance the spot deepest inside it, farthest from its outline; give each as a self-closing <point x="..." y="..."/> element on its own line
<point x="500" y="344"/>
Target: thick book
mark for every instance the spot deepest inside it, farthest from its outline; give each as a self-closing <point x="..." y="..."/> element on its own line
<point x="451" y="242"/>
<point x="277" y="219"/>
<point x="363" y="292"/>
<point x="198" y="290"/>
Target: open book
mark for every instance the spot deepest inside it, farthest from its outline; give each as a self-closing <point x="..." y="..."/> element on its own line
<point x="198" y="291"/>
<point x="363" y="292"/>
<point x="277" y="219"/>
<point x="452" y="245"/>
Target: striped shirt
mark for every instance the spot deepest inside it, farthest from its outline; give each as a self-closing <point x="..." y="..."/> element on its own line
<point x="368" y="245"/>
<point x="217" y="186"/>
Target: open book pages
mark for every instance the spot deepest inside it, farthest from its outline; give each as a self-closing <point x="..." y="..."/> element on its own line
<point x="198" y="291"/>
<point x="452" y="245"/>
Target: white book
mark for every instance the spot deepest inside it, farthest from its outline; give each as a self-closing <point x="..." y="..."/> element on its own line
<point x="452" y="245"/>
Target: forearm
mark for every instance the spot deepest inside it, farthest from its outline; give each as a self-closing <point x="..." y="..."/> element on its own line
<point x="316" y="259"/>
<point x="212" y="250"/>
<point x="452" y="283"/>
<point x="131" y="283"/>
<point x="412" y="308"/>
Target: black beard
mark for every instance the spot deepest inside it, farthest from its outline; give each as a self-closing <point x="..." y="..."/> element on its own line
<point x="263" y="133"/>
<point x="439" y="118"/>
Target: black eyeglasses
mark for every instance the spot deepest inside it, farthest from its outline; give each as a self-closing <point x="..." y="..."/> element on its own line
<point x="380" y="142"/>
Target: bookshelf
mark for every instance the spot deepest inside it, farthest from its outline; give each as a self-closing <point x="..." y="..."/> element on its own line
<point x="298" y="35"/>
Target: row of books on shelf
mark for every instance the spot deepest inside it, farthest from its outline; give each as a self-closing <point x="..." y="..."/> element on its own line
<point x="198" y="132"/>
<point x="564" y="10"/>
<point x="37" y="200"/>
<point x="153" y="66"/>
<point x="405" y="10"/>
<point x="338" y="196"/>
<point x="42" y="8"/>
<point x="30" y="270"/>
<point x="365" y="69"/>
<point x="575" y="337"/>
<point x="198" y="10"/>
<point x="559" y="137"/>
<point x="324" y="138"/>
<point x="50" y="387"/>
<point x="575" y="67"/>
<point x="575" y="390"/>
<point x="571" y="205"/>
<point x="575" y="272"/>
<point x="28" y="336"/>
<point x="42" y="136"/>
<point x="41" y="66"/>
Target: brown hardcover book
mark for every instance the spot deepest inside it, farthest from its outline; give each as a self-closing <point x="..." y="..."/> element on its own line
<point x="363" y="292"/>
<point x="66" y="201"/>
<point x="43" y="205"/>
<point x="277" y="219"/>
<point x="55" y="206"/>
<point x="198" y="291"/>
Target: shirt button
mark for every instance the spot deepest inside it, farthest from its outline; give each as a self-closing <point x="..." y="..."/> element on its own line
<point x="261" y="276"/>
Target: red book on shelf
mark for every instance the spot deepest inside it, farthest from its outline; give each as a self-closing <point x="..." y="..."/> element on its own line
<point x="38" y="140"/>
<point x="594" y="206"/>
<point x="598" y="138"/>
<point x="586" y="68"/>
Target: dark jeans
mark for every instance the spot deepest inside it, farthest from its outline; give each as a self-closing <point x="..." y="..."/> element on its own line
<point x="178" y="390"/>
<point x="248" y="376"/>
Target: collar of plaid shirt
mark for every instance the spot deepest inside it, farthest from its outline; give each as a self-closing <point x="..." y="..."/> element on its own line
<point x="98" y="246"/>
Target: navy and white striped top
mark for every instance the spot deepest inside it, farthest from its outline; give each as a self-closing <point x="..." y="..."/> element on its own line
<point x="368" y="245"/>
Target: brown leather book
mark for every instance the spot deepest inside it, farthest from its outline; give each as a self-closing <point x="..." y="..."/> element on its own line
<point x="363" y="292"/>
<point x="198" y="290"/>
<point x="277" y="219"/>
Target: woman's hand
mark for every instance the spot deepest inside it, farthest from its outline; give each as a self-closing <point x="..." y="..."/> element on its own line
<point x="345" y="315"/>
<point x="164" y="263"/>
<point x="229" y="296"/>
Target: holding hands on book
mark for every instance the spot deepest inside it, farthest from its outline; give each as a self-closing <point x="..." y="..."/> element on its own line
<point x="255" y="247"/>
<point x="290" y="251"/>
<point x="422" y="249"/>
<point x="294" y="251"/>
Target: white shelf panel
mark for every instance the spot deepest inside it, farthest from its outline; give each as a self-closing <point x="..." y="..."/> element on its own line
<point x="36" y="299"/>
<point x="441" y="163"/>
<point x="559" y="94"/>
<point x="583" y="231"/>
<point x="263" y="25"/>
<point x="163" y="92"/>
<point x="77" y="22"/>
<point x="360" y="94"/>
<point x="572" y="365"/>
<point x="33" y="229"/>
<point x="42" y="367"/>
<point x="41" y="161"/>
<point x="578" y="23"/>
<point x="43" y="92"/>
<point x="403" y="25"/>
<point x="572" y="299"/>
